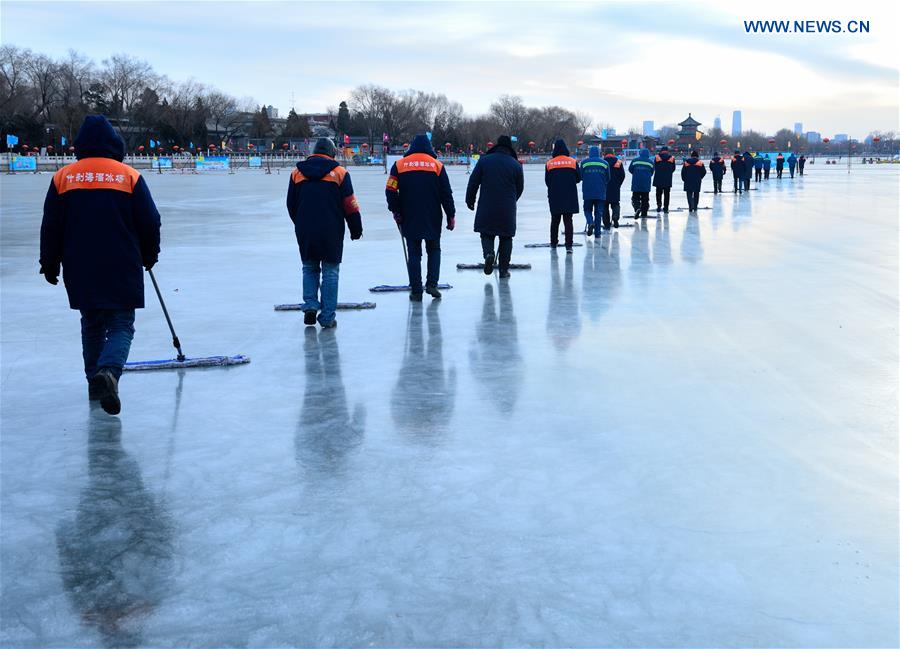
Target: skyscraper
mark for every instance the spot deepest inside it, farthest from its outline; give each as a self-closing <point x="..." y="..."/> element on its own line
<point x="736" y="123"/>
<point x="717" y="123"/>
<point x="798" y="128"/>
<point x="648" y="127"/>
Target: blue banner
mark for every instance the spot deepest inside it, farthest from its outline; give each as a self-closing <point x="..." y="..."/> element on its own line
<point x="254" y="162"/>
<point x="23" y="163"/>
<point x="161" y="163"/>
<point x="11" y="140"/>
<point x="213" y="162"/>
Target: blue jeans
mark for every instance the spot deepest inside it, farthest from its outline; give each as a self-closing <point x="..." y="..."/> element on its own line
<point x="329" y="272"/>
<point x="106" y="336"/>
<point x="433" y="248"/>
<point x="593" y="210"/>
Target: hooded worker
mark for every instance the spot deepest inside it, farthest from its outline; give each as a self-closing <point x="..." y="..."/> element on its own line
<point x="641" y="170"/>
<point x="320" y="200"/>
<point x="737" y="171"/>
<point x="613" y="189"/>
<point x="748" y="170"/>
<point x="758" y="164"/>
<point x="717" y="167"/>
<point x="779" y="165"/>
<point x="767" y="166"/>
<point x="417" y="190"/>
<point x="692" y="173"/>
<point x="801" y="162"/>
<point x="663" y="168"/>
<point x="594" y="179"/>
<point x="792" y="163"/>
<point x="101" y="228"/>
<point x="499" y="178"/>
<point x="562" y="175"/>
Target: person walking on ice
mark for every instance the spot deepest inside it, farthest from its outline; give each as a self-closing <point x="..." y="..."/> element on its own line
<point x="594" y="178"/>
<point x="613" y="189"/>
<point x="792" y="163"/>
<point x="417" y="189"/>
<point x="801" y="162"/>
<point x="101" y="228"/>
<point x="767" y="166"/>
<point x="692" y="173"/>
<point x="663" y="169"/>
<point x="737" y="171"/>
<point x="717" y="167"/>
<point x="498" y="174"/>
<point x="641" y="170"/>
<point x="562" y="175"/>
<point x="320" y="200"/>
<point x="779" y="166"/>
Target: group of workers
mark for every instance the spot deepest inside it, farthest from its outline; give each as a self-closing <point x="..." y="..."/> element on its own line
<point x="101" y="227"/>
<point x="745" y="166"/>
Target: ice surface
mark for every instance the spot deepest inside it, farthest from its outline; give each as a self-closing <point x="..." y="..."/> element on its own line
<point x="685" y="435"/>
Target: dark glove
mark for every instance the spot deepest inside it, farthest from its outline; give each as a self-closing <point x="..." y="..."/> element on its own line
<point x="355" y="234"/>
<point x="398" y="218"/>
<point x="471" y="206"/>
<point x="451" y="223"/>
<point x="150" y="263"/>
<point x="51" y="275"/>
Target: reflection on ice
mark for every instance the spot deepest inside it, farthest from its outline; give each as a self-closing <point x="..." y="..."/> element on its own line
<point x="494" y="357"/>
<point x="602" y="277"/>
<point x="691" y="248"/>
<point x="563" y="312"/>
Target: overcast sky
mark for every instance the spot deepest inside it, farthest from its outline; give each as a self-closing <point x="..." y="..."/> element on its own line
<point x="622" y="62"/>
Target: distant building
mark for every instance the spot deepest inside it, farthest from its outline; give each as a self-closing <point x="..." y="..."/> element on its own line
<point x="841" y="137"/>
<point x="717" y="123"/>
<point x="648" y="127"/>
<point x="813" y="137"/>
<point x="798" y="128"/>
<point x="736" y="127"/>
<point x="272" y="112"/>
<point x="688" y="136"/>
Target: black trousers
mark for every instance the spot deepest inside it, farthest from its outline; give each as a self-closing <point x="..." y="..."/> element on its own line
<point x="693" y="199"/>
<point x="433" y="250"/>
<point x="610" y="206"/>
<point x="758" y="174"/>
<point x="800" y="169"/>
<point x="766" y="174"/>
<point x="554" y="229"/>
<point x="792" y="172"/>
<point x="747" y="183"/>
<point x="779" y="172"/>
<point x="717" y="185"/>
<point x="738" y="184"/>
<point x="503" y="254"/>
<point x="662" y="198"/>
<point x="641" y="203"/>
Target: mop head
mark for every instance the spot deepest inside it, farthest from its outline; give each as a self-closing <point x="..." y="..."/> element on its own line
<point x="386" y="288"/>
<point x="481" y="266"/>
<point x="547" y="245"/>
<point x="341" y="306"/>
<point x="175" y="364"/>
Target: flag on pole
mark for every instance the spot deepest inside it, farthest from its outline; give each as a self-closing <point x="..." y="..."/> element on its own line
<point x="428" y="133"/>
<point x="11" y="140"/>
<point x="153" y="143"/>
<point x="62" y="141"/>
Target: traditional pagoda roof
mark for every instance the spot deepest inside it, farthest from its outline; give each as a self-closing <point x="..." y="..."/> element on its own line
<point x="689" y="122"/>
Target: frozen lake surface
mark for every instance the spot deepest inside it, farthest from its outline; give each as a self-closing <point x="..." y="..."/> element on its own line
<point x="683" y="435"/>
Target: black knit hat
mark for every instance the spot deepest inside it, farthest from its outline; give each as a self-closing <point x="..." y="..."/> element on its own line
<point x="505" y="140"/>
<point x="324" y="146"/>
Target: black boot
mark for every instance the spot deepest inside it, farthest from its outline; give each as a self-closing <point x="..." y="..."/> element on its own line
<point x="590" y="229"/>
<point x="504" y="274"/>
<point x="415" y="297"/>
<point x="309" y="318"/>
<point x="433" y="292"/>
<point x="489" y="263"/>
<point x="107" y="387"/>
<point x="94" y="391"/>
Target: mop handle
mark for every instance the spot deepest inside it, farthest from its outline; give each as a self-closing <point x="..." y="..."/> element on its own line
<point x="165" y="311"/>
<point x="403" y="243"/>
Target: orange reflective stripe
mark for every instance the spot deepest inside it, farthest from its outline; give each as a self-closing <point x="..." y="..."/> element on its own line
<point x="96" y="173"/>
<point x="296" y="176"/>
<point x="419" y="162"/>
<point x="335" y="176"/>
<point x="391" y="184"/>
<point x="351" y="205"/>
<point x="562" y="162"/>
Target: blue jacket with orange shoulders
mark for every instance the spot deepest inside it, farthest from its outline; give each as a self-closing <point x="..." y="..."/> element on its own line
<point x="417" y="189"/>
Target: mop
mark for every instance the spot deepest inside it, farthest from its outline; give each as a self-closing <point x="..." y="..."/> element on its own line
<point x="385" y="288"/>
<point x="548" y="245"/>
<point x="481" y="266"/>
<point x="341" y="306"/>
<point x="181" y="361"/>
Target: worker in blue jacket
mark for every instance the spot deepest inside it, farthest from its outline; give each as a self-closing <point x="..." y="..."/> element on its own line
<point x="594" y="178"/>
<point x="499" y="177"/>
<point x="692" y="173"/>
<point x="748" y="170"/>
<point x="320" y="200"/>
<point x="562" y="175"/>
<point x="101" y="228"/>
<point x="737" y="171"/>
<point x="758" y="167"/>
<point x="767" y="166"/>
<point x="663" y="168"/>
<point x="417" y="189"/>
<point x="792" y="163"/>
<point x="717" y="167"/>
<point x="641" y="170"/>
<point x="613" y="189"/>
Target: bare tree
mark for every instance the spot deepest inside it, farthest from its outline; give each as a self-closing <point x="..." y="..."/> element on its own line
<point x="126" y="77"/>
<point x="583" y="121"/>
<point x="13" y="80"/>
<point x="369" y="102"/>
<point x="511" y="113"/>
<point x="43" y="75"/>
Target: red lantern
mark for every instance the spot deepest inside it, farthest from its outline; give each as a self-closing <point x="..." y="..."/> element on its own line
<point x="212" y="146"/>
<point x="826" y="140"/>
<point x="365" y="145"/>
<point x="447" y="145"/>
<point x="285" y="146"/>
<point x="71" y="148"/>
<point x="471" y="147"/>
<point x="624" y="143"/>
<point x="671" y="142"/>
<point x="25" y="147"/>
<point x="580" y="142"/>
<point x="35" y="149"/>
<point x="490" y="144"/>
<point x="161" y="149"/>
<point x="723" y="141"/>
<point x="876" y="139"/>
<point x="176" y="147"/>
<point x="50" y="146"/>
<point x="771" y="140"/>
<point x="531" y="143"/>
<point x="251" y="146"/>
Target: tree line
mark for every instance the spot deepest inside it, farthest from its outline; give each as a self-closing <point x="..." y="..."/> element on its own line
<point x="44" y="99"/>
